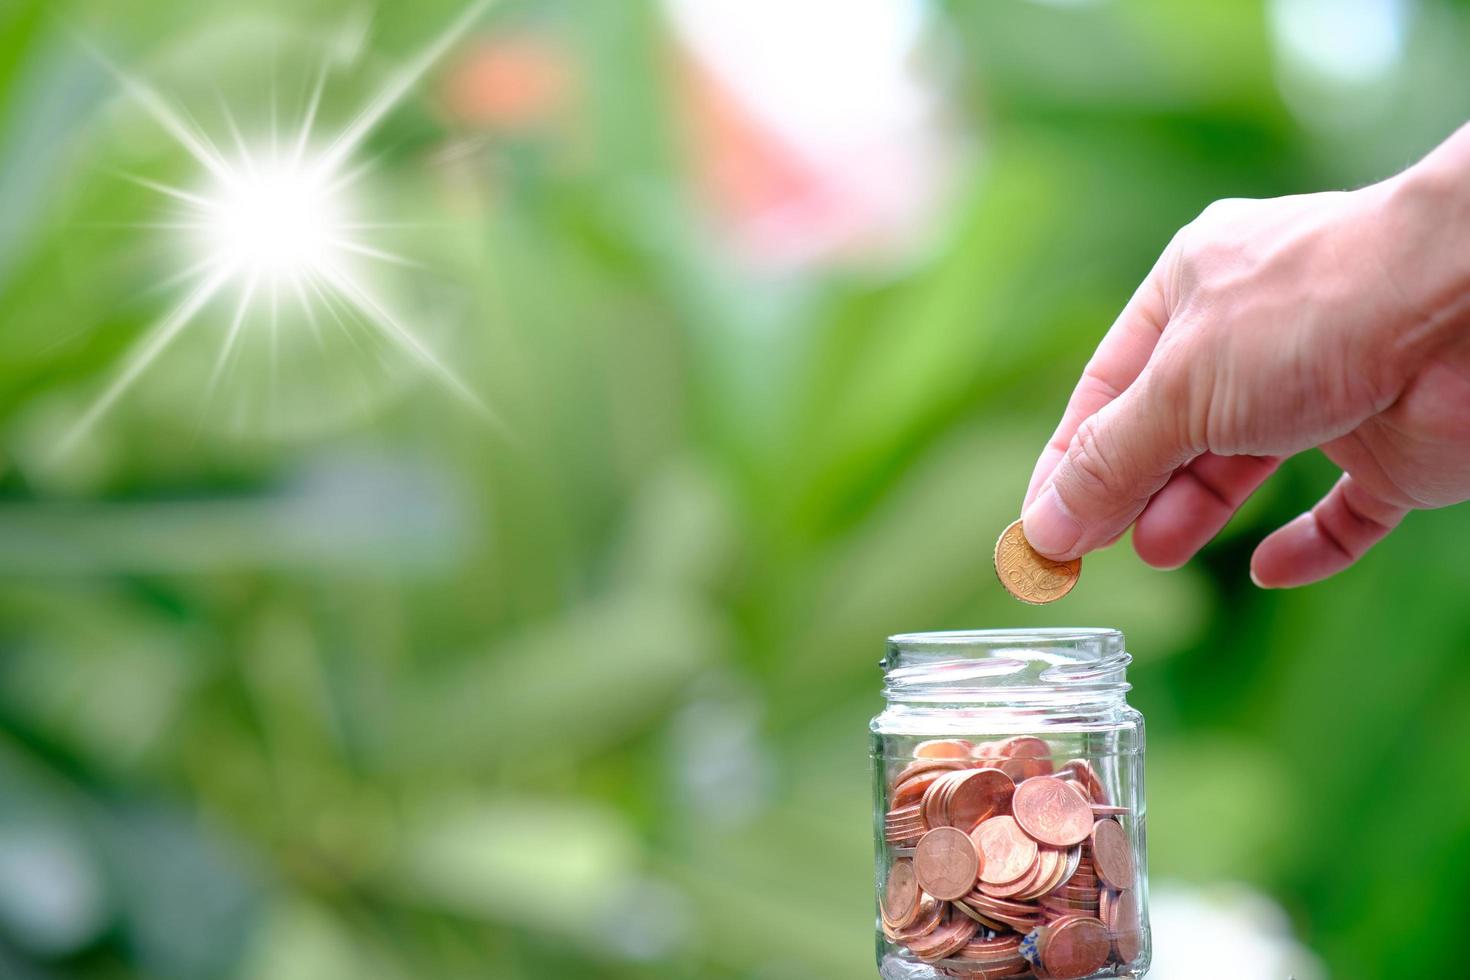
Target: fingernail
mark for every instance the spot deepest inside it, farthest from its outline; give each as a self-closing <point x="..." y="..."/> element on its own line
<point x="1049" y="528"/>
<point x="1257" y="580"/>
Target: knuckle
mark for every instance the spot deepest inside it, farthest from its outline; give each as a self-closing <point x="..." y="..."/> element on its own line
<point x="1093" y="472"/>
<point x="1222" y="209"/>
<point x="1170" y="375"/>
<point x="1216" y="228"/>
<point x="1180" y="394"/>
<point x="1095" y="377"/>
<point x="1203" y="245"/>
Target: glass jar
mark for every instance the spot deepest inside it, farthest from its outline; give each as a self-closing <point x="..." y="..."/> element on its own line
<point x="1008" y="781"/>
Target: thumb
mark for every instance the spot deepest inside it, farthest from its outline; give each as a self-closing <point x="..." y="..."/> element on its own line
<point x="1117" y="460"/>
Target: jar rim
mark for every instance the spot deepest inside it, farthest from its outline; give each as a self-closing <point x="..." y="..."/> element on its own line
<point x="1054" y="664"/>
<point x="1011" y="636"/>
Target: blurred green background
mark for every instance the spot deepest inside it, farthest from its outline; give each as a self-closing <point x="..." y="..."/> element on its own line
<point x="380" y="689"/>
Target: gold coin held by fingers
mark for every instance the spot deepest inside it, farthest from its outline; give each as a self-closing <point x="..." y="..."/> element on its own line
<point x="1028" y="575"/>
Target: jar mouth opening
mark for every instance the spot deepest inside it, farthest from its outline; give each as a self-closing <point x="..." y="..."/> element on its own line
<point x="1055" y="665"/>
<point x="1100" y="638"/>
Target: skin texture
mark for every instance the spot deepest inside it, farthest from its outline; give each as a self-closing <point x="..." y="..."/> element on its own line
<point x="1338" y="321"/>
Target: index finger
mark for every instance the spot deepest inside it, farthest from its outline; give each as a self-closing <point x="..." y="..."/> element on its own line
<point x="1118" y="361"/>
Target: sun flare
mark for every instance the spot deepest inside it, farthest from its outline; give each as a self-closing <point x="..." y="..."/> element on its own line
<point x="277" y="222"/>
<point x="280" y="223"/>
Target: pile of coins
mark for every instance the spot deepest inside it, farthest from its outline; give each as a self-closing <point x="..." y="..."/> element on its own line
<point x="1002" y="866"/>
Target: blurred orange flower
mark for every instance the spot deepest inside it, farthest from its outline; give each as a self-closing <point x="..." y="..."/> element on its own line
<point x="512" y="83"/>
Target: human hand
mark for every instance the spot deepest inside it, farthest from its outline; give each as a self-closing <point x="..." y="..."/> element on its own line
<point x="1335" y="320"/>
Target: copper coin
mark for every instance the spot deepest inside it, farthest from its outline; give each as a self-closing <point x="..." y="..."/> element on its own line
<point x="977" y="795"/>
<point x="911" y="789"/>
<point x="983" y="920"/>
<point x="1048" y="865"/>
<point x="1024" y="756"/>
<point x="910" y="816"/>
<point x="1056" y="908"/>
<point x="1088" y="780"/>
<point x="1060" y="866"/>
<point x="1014" y="889"/>
<point x="901" y="896"/>
<point x="1028" y="575"/>
<point x="1065" y="899"/>
<point x="1075" y="948"/>
<point x="1112" y="854"/>
<point x="931" y="914"/>
<point x="944" y="748"/>
<point x="1107" y="907"/>
<point x="1088" y="902"/>
<point x="931" y="805"/>
<point x="1008" y="853"/>
<point x="986" y="755"/>
<point x="939" y="803"/>
<point x="1000" y="945"/>
<point x="990" y="921"/>
<point x="1100" y="810"/>
<point x="919" y="766"/>
<point x="1127" y="929"/>
<point x="947" y="863"/>
<point x="1020" y="924"/>
<point x="998" y="905"/>
<point x="951" y="936"/>
<point x="1074" y="862"/>
<point x="1052" y="812"/>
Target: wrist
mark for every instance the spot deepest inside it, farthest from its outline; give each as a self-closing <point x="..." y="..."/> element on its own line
<point x="1422" y="237"/>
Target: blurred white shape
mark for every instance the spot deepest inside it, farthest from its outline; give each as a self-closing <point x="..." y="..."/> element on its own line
<point x="51" y="900"/>
<point x="721" y="767"/>
<point x="1350" y="40"/>
<point x="1224" y="932"/>
<point x="823" y="73"/>
<point x="840" y="98"/>
<point x="1337" y="59"/>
